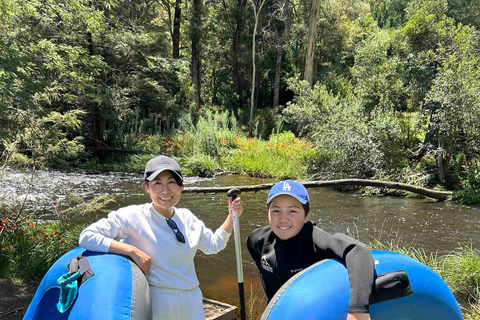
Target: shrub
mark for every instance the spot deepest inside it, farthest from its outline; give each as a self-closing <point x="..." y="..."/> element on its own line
<point x="468" y="185"/>
<point x="28" y="248"/>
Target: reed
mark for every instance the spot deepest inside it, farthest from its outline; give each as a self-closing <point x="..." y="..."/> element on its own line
<point x="282" y="156"/>
<point x="255" y="305"/>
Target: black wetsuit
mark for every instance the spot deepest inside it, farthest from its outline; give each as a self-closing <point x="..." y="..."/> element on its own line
<point x="278" y="260"/>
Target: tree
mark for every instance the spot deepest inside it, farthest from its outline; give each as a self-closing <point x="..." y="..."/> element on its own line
<point x="195" y="36"/>
<point x="285" y="15"/>
<point x="442" y="56"/>
<point x="311" y="41"/>
<point x="239" y="21"/>
<point x="176" y="29"/>
<point x="456" y="116"/>
<point x="252" y="94"/>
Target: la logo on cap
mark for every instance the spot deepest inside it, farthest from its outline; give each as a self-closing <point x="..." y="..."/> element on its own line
<point x="286" y="186"/>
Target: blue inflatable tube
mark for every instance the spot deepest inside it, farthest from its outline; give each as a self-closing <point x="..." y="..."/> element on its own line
<point x="405" y="290"/>
<point x="111" y="287"/>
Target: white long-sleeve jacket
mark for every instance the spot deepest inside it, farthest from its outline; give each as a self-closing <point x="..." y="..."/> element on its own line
<point x="142" y="226"/>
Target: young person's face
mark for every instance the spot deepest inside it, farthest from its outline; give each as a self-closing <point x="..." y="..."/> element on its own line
<point x="164" y="192"/>
<point x="286" y="216"/>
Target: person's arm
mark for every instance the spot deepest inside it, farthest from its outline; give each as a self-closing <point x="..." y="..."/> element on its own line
<point x="142" y="260"/>
<point x="213" y="242"/>
<point x="358" y="316"/>
<point x="234" y="206"/>
<point x="360" y="266"/>
<point x="100" y="237"/>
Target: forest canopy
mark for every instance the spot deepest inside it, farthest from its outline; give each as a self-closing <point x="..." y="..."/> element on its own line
<point x="374" y="85"/>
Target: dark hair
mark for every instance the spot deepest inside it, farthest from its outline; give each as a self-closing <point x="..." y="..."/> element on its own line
<point x="306" y="207"/>
<point x="174" y="175"/>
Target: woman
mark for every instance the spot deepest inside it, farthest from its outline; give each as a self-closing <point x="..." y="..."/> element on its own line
<point x="162" y="240"/>
<point x="292" y="243"/>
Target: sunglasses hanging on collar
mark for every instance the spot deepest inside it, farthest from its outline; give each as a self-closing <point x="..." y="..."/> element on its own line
<point x="178" y="233"/>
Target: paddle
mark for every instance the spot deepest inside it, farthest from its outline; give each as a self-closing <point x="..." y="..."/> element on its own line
<point x="233" y="193"/>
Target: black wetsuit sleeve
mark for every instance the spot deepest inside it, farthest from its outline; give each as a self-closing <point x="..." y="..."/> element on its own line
<point x="359" y="263"/>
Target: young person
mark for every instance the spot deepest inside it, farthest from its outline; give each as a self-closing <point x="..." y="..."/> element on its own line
<point x="292" y="243"/>
<point x="162" y="240"/>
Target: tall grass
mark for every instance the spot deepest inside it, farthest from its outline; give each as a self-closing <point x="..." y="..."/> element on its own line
<point x="215" y="144"/>
<point x="282" y="156"/>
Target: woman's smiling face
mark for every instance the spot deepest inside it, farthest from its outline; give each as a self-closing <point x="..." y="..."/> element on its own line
<point x="164" y="192"/>
<point x="286" y="216"/>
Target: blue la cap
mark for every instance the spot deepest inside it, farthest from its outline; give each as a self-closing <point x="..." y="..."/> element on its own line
<point x="289" y="187"/>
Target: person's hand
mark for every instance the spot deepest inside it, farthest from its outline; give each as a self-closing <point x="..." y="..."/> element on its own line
<point x="358" y="316"/>
<point x="142" y="259"/>
<point x="235" y="206"/>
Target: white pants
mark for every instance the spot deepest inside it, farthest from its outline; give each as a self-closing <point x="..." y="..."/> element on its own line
<point x="171" y="304"/>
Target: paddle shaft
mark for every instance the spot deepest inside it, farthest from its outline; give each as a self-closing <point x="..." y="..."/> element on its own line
<point x="238" y="253"/>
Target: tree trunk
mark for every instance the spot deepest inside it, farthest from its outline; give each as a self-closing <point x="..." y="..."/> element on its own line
<point x="176" y="29"/>
<point x="278" y="64"/>
<point x="214" y="86"/>
<point x="195" y="35"/>
<point x="235" y="76"/>
<point x="91" y="48"/>
<point x="440" y="195"/>
<point x="312" y="37"/>
<point x="440" y="168"/>
<point x="252" y="94"/>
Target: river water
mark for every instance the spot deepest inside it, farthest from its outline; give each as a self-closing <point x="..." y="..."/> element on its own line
<point x="423" y="223"/>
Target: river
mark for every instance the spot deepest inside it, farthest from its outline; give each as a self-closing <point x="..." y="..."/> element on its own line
<point x="423" y="223"/>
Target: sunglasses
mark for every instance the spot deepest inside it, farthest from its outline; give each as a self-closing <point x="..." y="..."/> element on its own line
<point x="177" y="232"/>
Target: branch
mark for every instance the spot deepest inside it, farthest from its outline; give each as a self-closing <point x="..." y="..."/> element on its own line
<point x="440" y="195"/>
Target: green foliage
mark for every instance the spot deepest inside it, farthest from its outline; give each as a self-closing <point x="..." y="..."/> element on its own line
<point x="465" y="12"/>
<point x="390" y="13"/>
<point x="339" y="129"/>
<point x="457" y="104"/>
<point x="48" y="137"/>
<point x="151" y="101"/>
<point x="283" y="156"/>
<point x="468" y="185"/>
<point x="394" y="76"/>
<point x="28" y="249"/>
<point x="461" y="271"/>
<point x="20" y="159"/>
<point x="79" y="207"/>
<point x="210" y="132"/>
<point x="118" y="162"/>
<point x="378" y="73"/>
<point x="201" y="165"/>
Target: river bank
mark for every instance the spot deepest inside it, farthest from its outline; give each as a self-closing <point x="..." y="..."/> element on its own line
<point x="14" y="299"/>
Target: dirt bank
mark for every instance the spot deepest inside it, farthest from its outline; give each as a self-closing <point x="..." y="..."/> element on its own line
<point x="14" y="299"/>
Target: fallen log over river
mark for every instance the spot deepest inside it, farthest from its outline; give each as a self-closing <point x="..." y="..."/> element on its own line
<point x="440" y="195"/>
